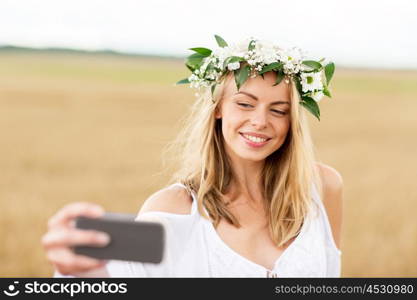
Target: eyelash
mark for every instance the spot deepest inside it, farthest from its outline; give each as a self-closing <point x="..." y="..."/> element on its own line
<point x="277" y="111"/>
<point x="245" y="105"/>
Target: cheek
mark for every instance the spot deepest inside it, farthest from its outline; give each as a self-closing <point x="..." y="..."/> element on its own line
<point x="232" y="121"/>
<point x="282" y="131"/>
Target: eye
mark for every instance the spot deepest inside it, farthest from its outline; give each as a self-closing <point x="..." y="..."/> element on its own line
<point x="245" y="105"/>
<point x="279" y="112"/>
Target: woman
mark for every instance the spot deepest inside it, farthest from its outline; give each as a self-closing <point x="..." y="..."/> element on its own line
<point x="249" y="200"/>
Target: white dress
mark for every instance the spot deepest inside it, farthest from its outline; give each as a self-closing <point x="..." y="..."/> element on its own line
<point x="194" y="249"/>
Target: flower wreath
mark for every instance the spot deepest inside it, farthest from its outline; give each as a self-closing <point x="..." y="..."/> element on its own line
<point x="252" y="57"/>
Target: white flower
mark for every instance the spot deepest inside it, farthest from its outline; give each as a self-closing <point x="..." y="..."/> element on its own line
<point x="317" y="96"/>
<point x="266" y="52"/>
<point x="193" y="77"/>
<point x="242" y="46"/>
<point x="292" y="59"/>
<point x="311" y="81"/>
<point x="233" y="66"/>
<point x="295" y="55"/>
<point x="222" y="53"/>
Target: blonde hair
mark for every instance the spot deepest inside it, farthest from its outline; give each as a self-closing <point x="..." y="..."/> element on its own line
<point x="203" y="166"/>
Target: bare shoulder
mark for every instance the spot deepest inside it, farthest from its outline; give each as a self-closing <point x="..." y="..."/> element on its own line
<point x="331" y="179"/>
<point x="332" y="198"/>
<point x="172" y="199"/>
<point x="330" y="176"/>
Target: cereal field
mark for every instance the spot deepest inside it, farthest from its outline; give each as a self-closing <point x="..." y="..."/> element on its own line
<point x="92" y="128"/>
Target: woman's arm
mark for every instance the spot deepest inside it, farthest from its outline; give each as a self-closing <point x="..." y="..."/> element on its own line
<point x="333" y="199"/>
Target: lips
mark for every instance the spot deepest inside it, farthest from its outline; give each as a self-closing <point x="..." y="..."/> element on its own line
<point x="253" y="141"/>
<point x="254" y="134"/>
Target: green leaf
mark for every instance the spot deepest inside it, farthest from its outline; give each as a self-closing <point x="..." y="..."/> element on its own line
<point x="329" y="71"/>
<point x="312" y="64"/>
<point x="251" y="45"/>
<point x="311" y="105"/>
<point x="220" y="41"/>
<point x="274" y="66"/>
<point x="327" y="92"/>
<point x="202" y="51"/>
<point x="195" y="60"/>
<point x="232" y="59"/>
<point x="209" y="69"/>
<point x="183" y="81"/>
<point x="190" y="67"/>
<point x="280" y="76"/>
<point x="241" y="75"/>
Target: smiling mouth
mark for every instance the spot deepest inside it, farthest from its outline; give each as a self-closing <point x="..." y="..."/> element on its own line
<point x="254" y="139"/>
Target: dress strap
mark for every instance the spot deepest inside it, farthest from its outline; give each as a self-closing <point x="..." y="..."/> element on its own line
<point x="194" y="206"/>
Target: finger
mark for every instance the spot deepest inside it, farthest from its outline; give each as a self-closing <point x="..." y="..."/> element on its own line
<point x="66" y="262"/>
<point x="63" y="237"/>
<point x="65" y="215"/>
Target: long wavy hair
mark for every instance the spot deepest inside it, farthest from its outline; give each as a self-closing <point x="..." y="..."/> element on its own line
<point x="201" y="163"/>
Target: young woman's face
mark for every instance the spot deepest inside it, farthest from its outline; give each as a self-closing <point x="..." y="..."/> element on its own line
<point x="255" y="119"/>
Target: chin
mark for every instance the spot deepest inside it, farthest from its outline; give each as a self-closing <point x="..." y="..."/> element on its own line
<point x="253" y="157"/>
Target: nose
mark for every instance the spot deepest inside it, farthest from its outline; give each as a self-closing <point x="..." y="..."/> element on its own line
<point x="259" y="119"/>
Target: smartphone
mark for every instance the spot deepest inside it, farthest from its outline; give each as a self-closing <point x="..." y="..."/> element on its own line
<point x="131" y="240"/>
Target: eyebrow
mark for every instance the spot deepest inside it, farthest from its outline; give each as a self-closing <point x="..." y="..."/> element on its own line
<point x="256" y="98"/>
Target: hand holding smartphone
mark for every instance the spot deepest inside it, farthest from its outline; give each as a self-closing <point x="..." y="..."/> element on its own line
<point x="130" y="240"/>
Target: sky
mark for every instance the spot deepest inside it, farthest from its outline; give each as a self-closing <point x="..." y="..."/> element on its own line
<point x="356" y="33"/>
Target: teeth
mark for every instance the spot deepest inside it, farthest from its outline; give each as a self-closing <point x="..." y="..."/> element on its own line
<point x="254" y="138"/>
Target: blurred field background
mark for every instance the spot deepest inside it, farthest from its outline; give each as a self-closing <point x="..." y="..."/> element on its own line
<point x="77" y="127"/>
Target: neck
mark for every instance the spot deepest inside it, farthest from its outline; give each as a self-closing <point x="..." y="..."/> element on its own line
<point x="246" y="183"/>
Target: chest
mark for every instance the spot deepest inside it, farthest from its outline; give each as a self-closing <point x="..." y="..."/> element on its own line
<point x="252" y="240"/>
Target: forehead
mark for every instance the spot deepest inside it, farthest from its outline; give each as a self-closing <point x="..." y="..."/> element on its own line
<point x="263" y="88"/>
